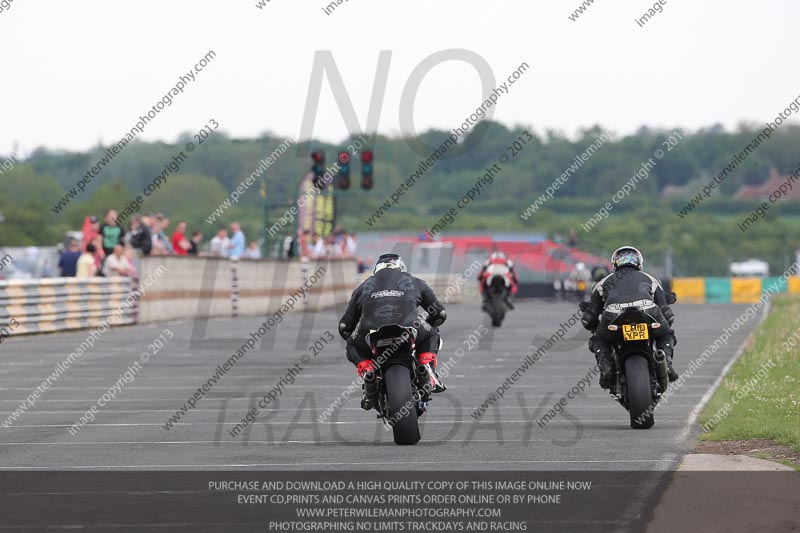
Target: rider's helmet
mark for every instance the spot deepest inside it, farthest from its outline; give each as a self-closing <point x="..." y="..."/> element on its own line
<point x="627" y="255"/>
<point x="390" y="261"/>
<point x="497" y="255"/>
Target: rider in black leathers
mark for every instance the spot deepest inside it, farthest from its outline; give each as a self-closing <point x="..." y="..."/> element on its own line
<point x="627" y="284"/>
<point x="391" y="296"/>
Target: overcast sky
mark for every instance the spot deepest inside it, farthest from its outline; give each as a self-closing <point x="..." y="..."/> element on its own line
<point x="75" y="73"/>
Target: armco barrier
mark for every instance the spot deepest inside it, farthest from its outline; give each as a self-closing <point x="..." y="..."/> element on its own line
<point x="205" y="287"/>
<point x="718" y="290"/>
<point x="181" y="289"/>
<point x="54" y="304"/>
<point x="794" y="285"/>
<point x="731" y="290"/>
<point x="745" y="290"/>
<point x="689" y="290"/>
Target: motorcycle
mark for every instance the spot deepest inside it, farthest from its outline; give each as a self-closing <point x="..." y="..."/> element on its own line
<point x="400" y="386"/>
<point x="642" y="373"/>
<point x="497" y="285"/>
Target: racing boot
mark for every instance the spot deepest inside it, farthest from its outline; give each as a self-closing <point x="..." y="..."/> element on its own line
<point x="667" y="348"/>
<point x="606" y="365"/>
<point x="673" y="376"/>
<point x="428" y="361"/>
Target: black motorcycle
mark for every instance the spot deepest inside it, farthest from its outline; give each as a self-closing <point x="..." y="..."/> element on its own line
<point x="642" y="374"/>
<point x="496" y="288"/>
<point x="400" y="387"/>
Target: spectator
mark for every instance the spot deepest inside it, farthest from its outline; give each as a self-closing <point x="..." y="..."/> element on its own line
<point x="86" y="267"/>
<point x="333" y="247"/>
<point x="218" y="247"/>
<point x="161" y="244"/>
<point x="99" y="254"/>
<point x="289" y="246"/>
<point x="253" y="251"/>
<point x="362" y="265"/>
<point x="194" y="242"/>
<point x="237" y="243"/>
<point x="140" y="238"/>
<point x="91" y="228"/>
<point x="180" y="244"/>
<point x="112" y="232"/>
<point x="116" y="264"/>
<point x="350" y="245"/>
<point x="128" y="256"/>
<point x="68" y="262"/>
<point x="318" y="246"/>
<point x="306" y="244"/>
<point x="573" y="238"/>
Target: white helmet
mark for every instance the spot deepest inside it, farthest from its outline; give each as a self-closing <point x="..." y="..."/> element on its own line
<point x="498" y="255"/>
<point x="390" y="261"/>
<point x="627" y="255"/>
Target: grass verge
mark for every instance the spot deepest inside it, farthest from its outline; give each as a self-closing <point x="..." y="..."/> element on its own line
<point x="759" y="398"/>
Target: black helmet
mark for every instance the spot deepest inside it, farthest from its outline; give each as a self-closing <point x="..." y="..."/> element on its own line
<point x="389" y="261"/>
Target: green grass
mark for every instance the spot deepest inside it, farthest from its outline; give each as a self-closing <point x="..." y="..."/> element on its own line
<point x="771" y="410"/>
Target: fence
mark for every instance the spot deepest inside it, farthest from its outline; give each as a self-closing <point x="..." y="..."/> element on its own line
<point x="53" y="304"/>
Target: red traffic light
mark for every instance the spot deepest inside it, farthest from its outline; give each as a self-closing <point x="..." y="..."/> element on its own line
<point x="366" y="156"/>
<point x="344" y="158"/>
<point x="318" y="156"/>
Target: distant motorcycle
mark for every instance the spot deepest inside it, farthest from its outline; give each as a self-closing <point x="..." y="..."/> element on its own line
<point x="497" y="285"/>
<point x="642" y="374"/>
<point x="400" y="386"/>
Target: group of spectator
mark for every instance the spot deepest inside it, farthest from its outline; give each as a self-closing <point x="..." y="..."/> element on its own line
<point x="339" y="243"/>
<point x="107" y="248"/>
<point x="234" y="246"/>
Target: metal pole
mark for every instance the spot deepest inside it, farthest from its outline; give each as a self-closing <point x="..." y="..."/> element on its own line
<point x="235" y="286"/>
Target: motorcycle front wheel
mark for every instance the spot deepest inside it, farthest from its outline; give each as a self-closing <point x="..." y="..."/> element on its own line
<point x="497" y="311"/>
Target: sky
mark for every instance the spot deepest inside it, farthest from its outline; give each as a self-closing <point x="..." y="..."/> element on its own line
<point x="79" y="73"/>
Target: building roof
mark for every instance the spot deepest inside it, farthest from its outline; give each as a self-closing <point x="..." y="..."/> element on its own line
<point x="762" y="191"/>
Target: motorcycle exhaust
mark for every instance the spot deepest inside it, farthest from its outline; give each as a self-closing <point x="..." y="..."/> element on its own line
<point x="662" y="370"/>
<point x="424" y="379"/>
<point x="370" y="384"/>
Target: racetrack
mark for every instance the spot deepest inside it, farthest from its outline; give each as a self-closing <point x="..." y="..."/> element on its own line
<point x="594" y="433"/>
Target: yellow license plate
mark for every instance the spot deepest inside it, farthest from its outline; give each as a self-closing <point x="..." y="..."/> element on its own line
<point x="635" y="332"/>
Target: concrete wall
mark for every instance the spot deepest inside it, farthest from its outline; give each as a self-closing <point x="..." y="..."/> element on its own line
<point x="188" y="288"/>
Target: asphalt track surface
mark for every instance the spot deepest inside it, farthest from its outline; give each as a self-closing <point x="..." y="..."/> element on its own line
<point x="128" y="433"/>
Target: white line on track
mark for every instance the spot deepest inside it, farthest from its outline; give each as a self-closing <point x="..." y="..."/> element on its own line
<point x="272" y="423"/>
<point x="276" y="442"/>
<point x="341" y="464"/>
